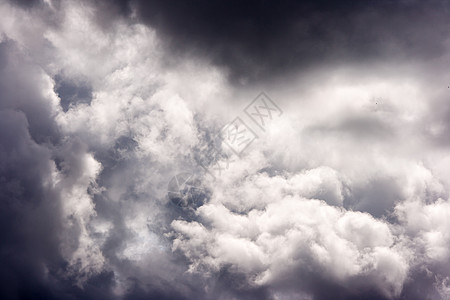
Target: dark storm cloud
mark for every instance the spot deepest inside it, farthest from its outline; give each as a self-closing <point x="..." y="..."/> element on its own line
<point x="260" y="39"/>
<point x="28" y="210"/>
<point x="130" y="143"/>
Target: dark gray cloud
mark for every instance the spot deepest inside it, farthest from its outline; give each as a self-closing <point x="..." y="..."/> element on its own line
<point x="265" y="39"/>
<point x="29" y="227"/>
<point x="31" y="213"/>
<point x="28" y="210"/>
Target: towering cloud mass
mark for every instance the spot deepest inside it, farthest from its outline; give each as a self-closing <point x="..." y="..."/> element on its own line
<point x="115" y="182"/>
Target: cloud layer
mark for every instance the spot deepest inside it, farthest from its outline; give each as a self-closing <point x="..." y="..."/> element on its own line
<point x="343" y="196"/>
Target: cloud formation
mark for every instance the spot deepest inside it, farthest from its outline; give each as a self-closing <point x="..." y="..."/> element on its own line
<point x="344" y="196"/>
<point x="255" y="39"/>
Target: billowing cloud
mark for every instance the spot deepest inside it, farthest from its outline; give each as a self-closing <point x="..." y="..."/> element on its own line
<point x="343" y="195"/>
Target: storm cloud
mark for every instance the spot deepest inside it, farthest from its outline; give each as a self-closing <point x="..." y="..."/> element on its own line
<point x="342" y="192"/>
<point x="256" y="40"/>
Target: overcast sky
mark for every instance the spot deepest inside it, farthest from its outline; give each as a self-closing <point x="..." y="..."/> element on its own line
<point x="225" y="149"/>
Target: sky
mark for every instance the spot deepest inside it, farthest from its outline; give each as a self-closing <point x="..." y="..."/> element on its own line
<point x="225" y="149"/>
